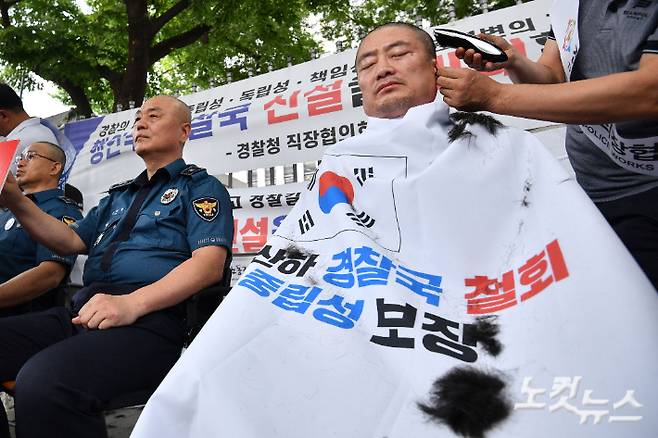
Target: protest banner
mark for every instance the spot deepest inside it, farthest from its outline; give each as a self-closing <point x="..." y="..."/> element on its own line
<point x="257" y="213"/>
<point x="282" y="117"/>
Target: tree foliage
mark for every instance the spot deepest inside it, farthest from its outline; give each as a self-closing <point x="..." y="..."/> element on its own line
<point x="349" y="22"/>
<point x="117" y="52"/>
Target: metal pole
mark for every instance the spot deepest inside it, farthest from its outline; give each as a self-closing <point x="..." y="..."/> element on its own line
<point x="451" y="11"/>
<point x="22" y="84"/>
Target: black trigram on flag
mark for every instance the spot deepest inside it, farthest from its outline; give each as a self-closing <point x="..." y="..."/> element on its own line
<point x="305" y="222"/>
<point x="362" y="219"/>
<point x="362" y="174"/>
<point x="311" y="182"/>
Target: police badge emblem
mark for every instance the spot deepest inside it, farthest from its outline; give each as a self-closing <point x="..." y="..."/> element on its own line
<point x="206" y="208"/>
<point x="169" y="195"/>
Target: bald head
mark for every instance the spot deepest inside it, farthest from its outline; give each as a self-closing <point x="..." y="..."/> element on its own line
<point x="52" y="151"/>
<point x="180" y="108"/>
<point x="162" y="126"/>
<point x="429" y="47"/>
<point x="396" y="70"/>
<point x="40" y="167"/>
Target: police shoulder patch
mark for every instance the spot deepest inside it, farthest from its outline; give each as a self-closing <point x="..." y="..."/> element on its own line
<point x="68" y="220"/>
<point x="206" y="208"/>
<point x="120" y="186"/>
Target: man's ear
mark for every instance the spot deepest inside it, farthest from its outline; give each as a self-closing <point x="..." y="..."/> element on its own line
<point x="186" y="130"/>
<point x="56" y="168"/>
<point x="4" y="121"/>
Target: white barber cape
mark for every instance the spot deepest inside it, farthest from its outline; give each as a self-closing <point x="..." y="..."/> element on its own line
<point x="371" y="289"/>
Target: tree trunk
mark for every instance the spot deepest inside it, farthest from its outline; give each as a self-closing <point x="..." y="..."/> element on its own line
<point x="140" y="35"/>
<point x="4" y="11"/>
<point x="75" y="91"/>
<point x="78" y="96"/>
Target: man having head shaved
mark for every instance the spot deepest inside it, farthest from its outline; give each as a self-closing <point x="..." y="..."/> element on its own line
<point x="396" y="70"/>
<point x="152" y="242"/>
<point x="31" y="275"/>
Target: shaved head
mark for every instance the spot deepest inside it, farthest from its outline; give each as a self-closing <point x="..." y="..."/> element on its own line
<point x="396" y="70"/>
<point x="424" y="37"/>
<point x="52" y="151"/>
<point x="40" y="166"/>
<point x="180" y="108"/>
<point x="162" y="126"/>
<point x="55" y="152"/>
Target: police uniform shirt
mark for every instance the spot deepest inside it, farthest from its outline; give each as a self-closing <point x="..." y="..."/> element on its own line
<point x="183" y="209"/>
<point x="18" y="251"/>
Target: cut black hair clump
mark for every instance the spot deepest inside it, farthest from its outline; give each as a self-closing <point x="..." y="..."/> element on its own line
<point x="469" y="401"/>
<point x="462" y="119"/>
<point x="295" y="252"/>
<point x="486" y="332"/>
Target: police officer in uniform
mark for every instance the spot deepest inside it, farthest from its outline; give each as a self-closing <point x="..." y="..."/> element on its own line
<point x="152" y="242"/>
<point x="31" y="275"/>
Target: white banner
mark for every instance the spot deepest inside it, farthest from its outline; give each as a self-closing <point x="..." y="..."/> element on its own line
<point x="376" y="284"/>
<point x="287" y="116"/>
<point x="257" y="213"/>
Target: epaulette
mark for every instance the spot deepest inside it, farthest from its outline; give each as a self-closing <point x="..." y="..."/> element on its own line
<point x="121" y="185"/>
<point x="70" y="201"/>
<point x="191" y="169"/>
<point x="196" y="173"/>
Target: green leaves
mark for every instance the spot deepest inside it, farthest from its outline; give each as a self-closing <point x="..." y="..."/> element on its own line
<point x="114" y="52"/>
<point x="348" y="21"/>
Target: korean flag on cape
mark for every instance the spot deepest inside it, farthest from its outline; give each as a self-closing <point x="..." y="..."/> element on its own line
<point x="419" y="279"/>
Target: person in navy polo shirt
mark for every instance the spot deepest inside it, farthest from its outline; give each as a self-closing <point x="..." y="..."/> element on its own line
<point x="152" y="242"/>
<point x="31" y="275"/>
<point x="598" y="73"/>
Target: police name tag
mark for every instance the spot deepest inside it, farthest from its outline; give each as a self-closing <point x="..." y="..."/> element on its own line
<point x="169" y="195"/>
